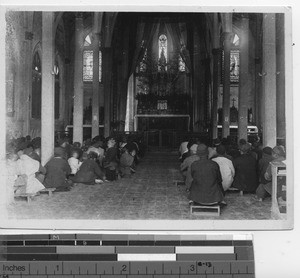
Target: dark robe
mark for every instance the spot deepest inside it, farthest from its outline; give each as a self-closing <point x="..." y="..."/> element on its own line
<point x="111" y="159"/>
<point x="245" y="178"/>
<point x="88" y="172"/>
<point x="34" y="156"/>
<point x="263" y="166"/>
<point x="57" y="171"/>
<point x="126" y="162"/>
<point x="206" y="187"/>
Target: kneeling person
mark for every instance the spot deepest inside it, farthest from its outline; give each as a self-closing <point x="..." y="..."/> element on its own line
<point x="206" y="188"/>
<point x="127" y="163"/>
<point x="89" y="172"/>
<point x="57" y="171"/>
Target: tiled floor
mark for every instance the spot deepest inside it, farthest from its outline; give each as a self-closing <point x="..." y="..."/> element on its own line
<point x="149" y="194"/>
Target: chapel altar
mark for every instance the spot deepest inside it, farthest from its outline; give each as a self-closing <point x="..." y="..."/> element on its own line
<point x="163" y="102"/>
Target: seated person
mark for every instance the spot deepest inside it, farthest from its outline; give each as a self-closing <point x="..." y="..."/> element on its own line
<point x="74" y="161"/>
<point x="89" y="172"/>
<point x="97" y="147"/>
<point x="206" y="188"/>
<point x="226" y="167"/>
<point x="265" y="188"/>
<point x="245" y="170"/>
<point x="263" y="164"/>
<point x="185" y="166"/>
<point x="32" y="153"/>
<point x="189" y="144"/>
<point x="127" y="162"/>
<point x="11" y="175"/>
<point x="133" y="145"/>
<point x="64" y="143"/>
<point x="58" y="171"/>
<point x="110" y="161"/>
<point x="212" y="150"/>
<point x="183" y="148"/>
<point x="29" y="168"/>
<point x="122" y="145"/>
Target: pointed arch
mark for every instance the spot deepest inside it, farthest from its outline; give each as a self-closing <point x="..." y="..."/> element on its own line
<point x="36" y="92"/>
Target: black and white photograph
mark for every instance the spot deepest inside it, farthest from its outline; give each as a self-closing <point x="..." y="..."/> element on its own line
<point x="148" y="118"/>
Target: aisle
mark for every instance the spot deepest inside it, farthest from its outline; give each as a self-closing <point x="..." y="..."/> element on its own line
<point x="149" y="194"/>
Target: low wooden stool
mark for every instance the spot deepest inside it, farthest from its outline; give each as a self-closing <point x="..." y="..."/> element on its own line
<point x="232" y="189"/>
<point x="27" y="196"/>
<point x="203" y="210"/>
<point x="49" y="190"/>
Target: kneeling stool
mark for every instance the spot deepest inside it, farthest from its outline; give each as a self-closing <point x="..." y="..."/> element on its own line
<point x="27" y="196"/>
<point x="49" y="190"/>
<point x="205" y="210"/>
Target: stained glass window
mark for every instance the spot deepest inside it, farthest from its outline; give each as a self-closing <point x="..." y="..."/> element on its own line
<point x="181" y="64"/>
<point x="36" y="95"/>
<point x="163" y="43"/>
<point x="88" y="65"/>
<point x="87" y="41"/>
<point x="236" y="40"/>
<point x="143" y="65"/>
<point x="162" y="52"/>
<point x="234" y="65"/>
<point x="88" y="61"/>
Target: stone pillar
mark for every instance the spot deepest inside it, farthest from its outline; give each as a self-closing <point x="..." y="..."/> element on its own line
<point x="245" y="79"/>
<point x="196" y="83"/>
<point x="78" y="80"/>
<point x="48" y="122"/>
<point x="95" y="103"/>
<point x="216" y="83"/>
<point x="107" y="65"/>
<point x="280" y="80"/>
<point x="269" y="80"/>
<point x="130" y="105"/>
<point x="226" y="85"/>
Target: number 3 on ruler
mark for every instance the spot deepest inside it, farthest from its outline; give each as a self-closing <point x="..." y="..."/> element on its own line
<point x="192" y="267"/>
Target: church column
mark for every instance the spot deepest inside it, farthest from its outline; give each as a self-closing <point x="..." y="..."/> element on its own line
<point x="226" y="85"/>
<point x="269" y="80"/>
<point x="48" y="122"/>
<point x="95" y="103"/>
<point x="216" y="76"/>
<point x="196" y="85"/>
<point x="78" y="80"/>
<point x="107" y="66"/>
<point x="280" y="80"/>
<point x="245" y="80"/>
<point x="216" y="84"/>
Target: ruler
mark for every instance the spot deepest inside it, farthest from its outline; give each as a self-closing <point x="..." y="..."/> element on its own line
<point x="123" y="255"/>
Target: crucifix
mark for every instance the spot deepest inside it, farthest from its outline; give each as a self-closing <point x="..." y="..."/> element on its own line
<point x="233" y="101"/>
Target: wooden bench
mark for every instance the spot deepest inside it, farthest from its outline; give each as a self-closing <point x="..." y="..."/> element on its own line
<point x="203" y="210"/>
<point x="27" y="196"/>
<point x="49" y="190"/>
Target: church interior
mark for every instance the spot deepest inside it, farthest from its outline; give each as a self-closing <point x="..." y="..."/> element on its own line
<point x="156" y="79"/>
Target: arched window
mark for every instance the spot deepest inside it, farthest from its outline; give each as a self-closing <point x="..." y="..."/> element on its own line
<point x="88" y="60"/>
<point x="36" y="97"/>
<point x="181" y="64"/>
<point x="162" y="52"/>
<point x="236" y="40"/>
<point x="143" y="63"/>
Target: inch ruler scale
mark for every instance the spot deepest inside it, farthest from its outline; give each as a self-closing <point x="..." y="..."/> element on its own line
<point x="130" y="256"/>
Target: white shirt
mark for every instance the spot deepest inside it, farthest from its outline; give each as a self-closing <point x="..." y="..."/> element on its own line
<point x="226" y="169"/>
<point x="74" y="165"/>
<point x="183" y="148"/>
